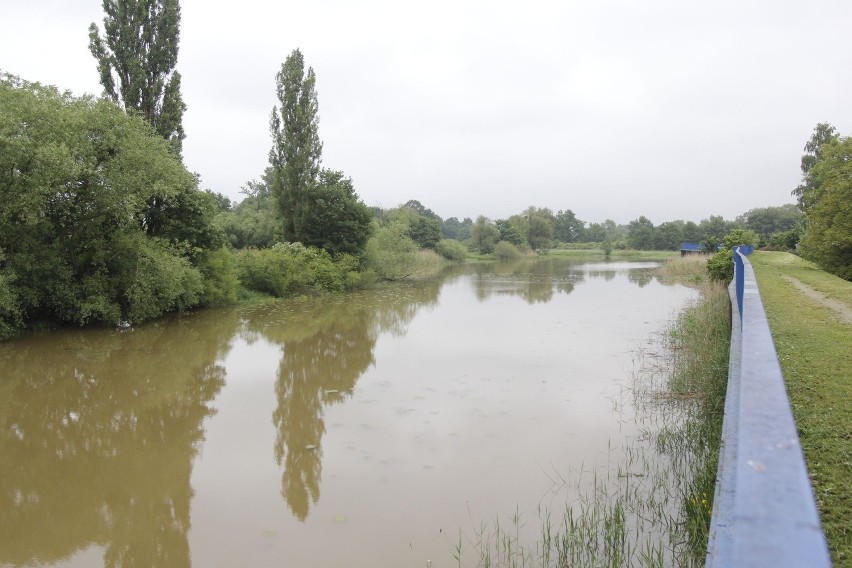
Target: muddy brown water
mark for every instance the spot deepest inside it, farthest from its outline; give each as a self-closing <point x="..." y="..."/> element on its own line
<point x="370" y="429"/>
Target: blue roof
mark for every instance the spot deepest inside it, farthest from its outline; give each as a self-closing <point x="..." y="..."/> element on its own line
<point x="695" y="247"/>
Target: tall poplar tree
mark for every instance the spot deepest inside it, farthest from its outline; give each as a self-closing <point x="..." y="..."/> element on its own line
<point x="296" y="147"/>
<point x="137" y="59"/>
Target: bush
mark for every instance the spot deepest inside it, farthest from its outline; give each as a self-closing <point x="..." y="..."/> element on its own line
<point x="505" y="250"/>
<point x="739" y="237"/>
<point x="452" y="250"/>
<point x="220" y="278"/>
<point x="721" y="266"/>
<point x="289" y="268"/>
<point x="391" y="253"/>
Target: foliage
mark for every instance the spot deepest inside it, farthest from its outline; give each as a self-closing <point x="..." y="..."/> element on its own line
<point x="739" y="237"/>
<point x="720" y="266"/>
<point x="334" y="218"/>
<point x="640" y="234"/>
<point x="567" y="228"/>
<point x="540" y="233"/>
<point x="286" y="269"/>
<point x="296" y="150"/>
<point x="769" y="221"/>
<point x="452" y="250"/>
<point x="808" y="192"/>
<point x="99" y="219"/>
<point x="828" y="238"/>
<point x="221" y="280"/>
<point x="139" y="52"/>
<point x="513" y="230"/>
<point x="484" y="235"/>
<point x="391" y="253"/>
<point x="425" y="231"/>
<point x="506" y="251"/>
<point x="452" y="228"/>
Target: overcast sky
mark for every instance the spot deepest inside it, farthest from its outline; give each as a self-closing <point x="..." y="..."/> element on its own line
<point x="671" y="109"/>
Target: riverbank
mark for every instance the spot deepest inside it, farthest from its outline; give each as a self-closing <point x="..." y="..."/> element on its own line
<point x="806" y="308"/>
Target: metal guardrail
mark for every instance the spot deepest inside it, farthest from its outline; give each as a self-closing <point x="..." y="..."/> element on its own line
<point x="764" y="513"/>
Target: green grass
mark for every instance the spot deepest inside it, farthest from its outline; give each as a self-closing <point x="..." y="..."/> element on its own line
<point x="814" y="349"/>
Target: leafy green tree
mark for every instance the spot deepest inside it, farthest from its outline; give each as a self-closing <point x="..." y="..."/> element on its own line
<point x="137" y="60"/>
<point x="296" y="152"/>
<point x="766" y="221"/>
<point x="334" y="219"/>
<point x="513" y="230"/>
<point x="484" y="235"/>
<point x="598" y="232"/>
<point x="540" y="232"/>
<point x="668" y="235"/>
<point x="425" y="231"/>
<point x="452" y="228"/>
<point x="640" y="234"/>
<point x="568" y="229"/>
<point x="81" y="244"/>
<point x="828" y="237"/>
<point x="421" y="209"/>
<point x="807" y="193"/>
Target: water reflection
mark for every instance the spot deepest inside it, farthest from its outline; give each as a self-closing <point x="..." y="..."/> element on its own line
<point x="327" y="344"/>
<point x="98" y="431"/>
<point x="537" y="281"/>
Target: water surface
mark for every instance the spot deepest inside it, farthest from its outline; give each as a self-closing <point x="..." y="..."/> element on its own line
<point x="361" y="430"/>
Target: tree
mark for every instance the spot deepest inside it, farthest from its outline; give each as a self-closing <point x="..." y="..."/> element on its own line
<point x="808" y="192"/>
<point x="640" y="234"/>
<point x="484" y="235"/>
<point x="828" y="237"/>
<point x="767" y="221"/>
<point x="425" y="231"/>
<point x="80" y="242"/>
<point x="137" y="60"/>
<point x="296" y="152"/>
<point x="513" y="230"/>
<point x="568" y="228"/>
<point x="334" y="218"/>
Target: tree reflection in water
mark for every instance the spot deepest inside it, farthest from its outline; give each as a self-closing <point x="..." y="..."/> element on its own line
<point x="327" y="344"/>
<point x="98" y="431"/>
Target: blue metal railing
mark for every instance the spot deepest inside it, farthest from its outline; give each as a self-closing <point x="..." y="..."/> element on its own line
<point x="764" y="513"/>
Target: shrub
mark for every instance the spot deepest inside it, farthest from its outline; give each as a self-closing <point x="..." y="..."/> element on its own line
<point x="721" y="265"/>
<point x="505" y="250"/>
<point x="452" y="250"/>
<point x="289" y="268"/>
<point x="220" y="278"/>
<point x="391" y="253"/>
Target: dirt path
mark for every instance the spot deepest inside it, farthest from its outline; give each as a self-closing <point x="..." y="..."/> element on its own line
<point x="841" y="310"/>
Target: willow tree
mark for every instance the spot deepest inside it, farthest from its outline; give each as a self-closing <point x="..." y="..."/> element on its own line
<point x="136" y="61"/>
<point x="296" y="148"/>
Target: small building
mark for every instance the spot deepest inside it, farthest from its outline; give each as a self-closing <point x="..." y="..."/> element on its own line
<point x="690" y="248"/>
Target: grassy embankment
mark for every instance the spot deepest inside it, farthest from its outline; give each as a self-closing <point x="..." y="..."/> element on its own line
<point x="814" y="346"/>
<point x="652" y="506"/>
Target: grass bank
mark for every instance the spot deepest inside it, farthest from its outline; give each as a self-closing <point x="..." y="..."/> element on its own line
<point x="652" y="504"/>
<point x="804" y="307"/>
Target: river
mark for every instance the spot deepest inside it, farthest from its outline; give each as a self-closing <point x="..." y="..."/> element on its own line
<point x="377" y="428"/>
